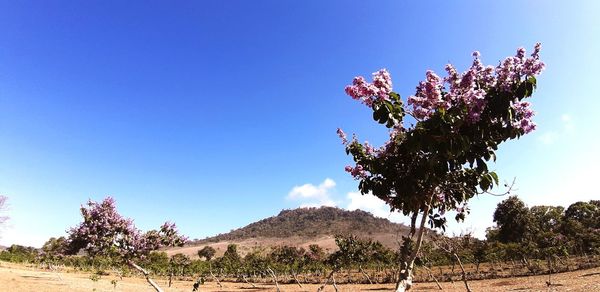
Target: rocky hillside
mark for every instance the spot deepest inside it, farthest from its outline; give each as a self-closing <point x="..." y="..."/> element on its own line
<point x="302" y="227"/>
<point x="312" y="223"/>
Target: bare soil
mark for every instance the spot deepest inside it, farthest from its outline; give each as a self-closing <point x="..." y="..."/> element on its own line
<point x="15" y="277"/>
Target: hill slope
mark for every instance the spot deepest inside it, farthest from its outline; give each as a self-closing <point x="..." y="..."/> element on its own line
<point x="312" y="223"/>
<point x="302" y="227"/>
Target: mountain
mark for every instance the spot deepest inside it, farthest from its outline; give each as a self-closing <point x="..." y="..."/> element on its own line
<point x="302" y="227"/>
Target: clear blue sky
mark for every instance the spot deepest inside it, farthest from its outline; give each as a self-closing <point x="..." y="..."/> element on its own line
<point x="210" y="113"/>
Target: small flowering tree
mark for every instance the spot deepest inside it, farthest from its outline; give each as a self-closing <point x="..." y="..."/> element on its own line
<point x="439" y="161"/>
<point x="105" y="232"/>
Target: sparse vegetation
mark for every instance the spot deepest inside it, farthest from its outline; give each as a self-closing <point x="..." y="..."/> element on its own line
<point x="359" y="259"/>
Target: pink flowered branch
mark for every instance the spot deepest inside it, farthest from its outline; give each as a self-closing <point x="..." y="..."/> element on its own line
<point x="105" y="231"/>
<point x="466" y="89"/>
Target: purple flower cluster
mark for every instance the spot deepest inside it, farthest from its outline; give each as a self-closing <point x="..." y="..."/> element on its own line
<point x="512" y="69"/>
<point x="469" y="89"/>
<point x="105" y="231"/>
<point x="428" y="96"/>
<point x="369" y="92"/>
<point x="342" y="136"/>
<point x="523" y="114"/>
<point x="357" y="172"/>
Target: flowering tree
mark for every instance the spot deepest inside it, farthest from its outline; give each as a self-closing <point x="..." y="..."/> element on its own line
<point x="105" y="232"/>
<point x="439" y="161"/>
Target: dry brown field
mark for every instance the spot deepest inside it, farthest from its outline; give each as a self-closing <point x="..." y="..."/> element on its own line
<point x="14" y="277"/>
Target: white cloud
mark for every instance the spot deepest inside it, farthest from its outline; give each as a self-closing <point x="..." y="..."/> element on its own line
<point x="314" y="196"/>
<point x="310" y="195"/>
<point x="549" y="137"/>
<point x="374" y="205"/>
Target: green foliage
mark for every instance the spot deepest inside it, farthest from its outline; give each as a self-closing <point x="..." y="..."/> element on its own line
<point x="231" y="260"/>
<point x="19" y="254"/>
<point x="513" y="220"/>
<point x="179" y="263"/>
<point x="54" y="249"/>
<point x="546" y="231"/>
<point x="581" y="224"/>
<point x="157" y="262"/>
<point x="288" y="258"/>
<point x="256" y="262"/>
<point x="207" y="252"/>
<point x="355" y="252"/>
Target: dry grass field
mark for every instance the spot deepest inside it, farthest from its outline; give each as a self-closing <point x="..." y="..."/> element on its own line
<point x="23" y="278"/>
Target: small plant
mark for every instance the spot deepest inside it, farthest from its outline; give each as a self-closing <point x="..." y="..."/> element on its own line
<point x="95" y="277"/>
<point x="114" y="283"/>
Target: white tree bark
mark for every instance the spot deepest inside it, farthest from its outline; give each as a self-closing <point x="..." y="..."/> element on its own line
<point x="405" y="278"/>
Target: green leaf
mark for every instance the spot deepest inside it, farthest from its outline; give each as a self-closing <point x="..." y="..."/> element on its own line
<point x="481" y="166"/>
<point x="529" y="88"/>
<point x="532" y="80"/>
<point x="494" y="177"/>
<point x="484" y="183"/>
<point x="376" y="116"/>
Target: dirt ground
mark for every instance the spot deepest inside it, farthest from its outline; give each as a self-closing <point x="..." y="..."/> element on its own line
<point x="21" y="278"/>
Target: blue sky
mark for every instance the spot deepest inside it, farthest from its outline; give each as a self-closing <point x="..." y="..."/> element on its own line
<point x="214" y="114"/>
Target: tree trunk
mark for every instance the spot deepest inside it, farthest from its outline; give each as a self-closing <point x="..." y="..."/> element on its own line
<point x="216" y="279"/>
<point x="549" y="282"/>
<point x="464" y="274"/>
<point x="296" y="278"/>
<point x="405" y="278"/>
<point x="146" y="274"/>
<point x="330" y="277"/>
<point x="433" y="277"/>
<point x="274" y="278"/>
<point x="365" y="274"/>
<point x="252" y="284"/>
<point x="333" y="280"/>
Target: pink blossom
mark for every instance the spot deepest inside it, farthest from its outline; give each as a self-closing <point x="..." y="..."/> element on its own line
<point x="367" y="92"/>
<point x="105" y="231"/>
<point x="342" y="136"/>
